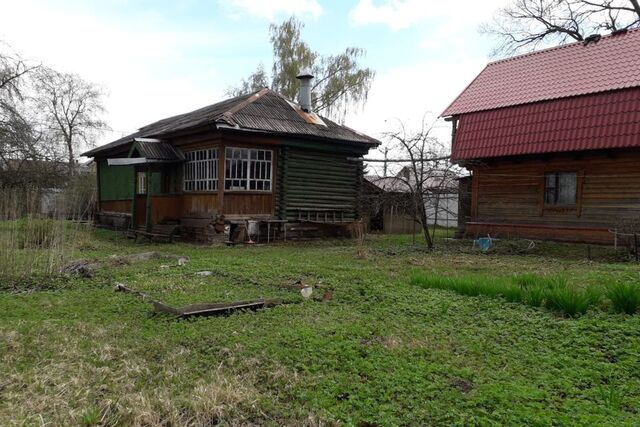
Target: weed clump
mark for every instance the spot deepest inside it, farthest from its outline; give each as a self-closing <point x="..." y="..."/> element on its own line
<point x="552" y="292"/>
<point x="571" y="301"/>
<point x="624" y="297"/>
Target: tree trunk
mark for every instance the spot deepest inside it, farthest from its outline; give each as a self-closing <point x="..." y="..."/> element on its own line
<point x="425" y="228"/>
<point x="71" y="158"/>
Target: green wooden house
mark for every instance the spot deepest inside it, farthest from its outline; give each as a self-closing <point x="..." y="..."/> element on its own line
<point x="256" y="158"/>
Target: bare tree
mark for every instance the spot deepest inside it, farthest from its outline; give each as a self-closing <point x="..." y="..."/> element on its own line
<point x="526" y="25"/>
<point x="72" y="109"/>
<point x="19" y="138"/>
<point x="423" y="177"/>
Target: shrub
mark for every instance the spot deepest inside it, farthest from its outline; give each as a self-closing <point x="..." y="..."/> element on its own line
<point x="625" y="297"/>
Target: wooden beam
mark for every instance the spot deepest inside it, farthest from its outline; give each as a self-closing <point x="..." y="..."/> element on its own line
<point x="221" y="171"/>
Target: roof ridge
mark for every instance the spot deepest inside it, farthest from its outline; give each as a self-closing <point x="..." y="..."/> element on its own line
<point x="556" y="72"/>
<point x="177" y="116"/>
<point x="562" y="46"/>
<point x="227" y="116"/>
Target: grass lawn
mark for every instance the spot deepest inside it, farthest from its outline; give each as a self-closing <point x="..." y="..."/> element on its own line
<point x="381" y="352"/>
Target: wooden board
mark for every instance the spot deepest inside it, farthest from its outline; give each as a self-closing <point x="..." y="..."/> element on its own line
<point x="140" y="210"/>
<point x="247" y="203"/>
<point x="199" y="205"/>
<point x="165" y="207"/>
<point x="121" y="206"/>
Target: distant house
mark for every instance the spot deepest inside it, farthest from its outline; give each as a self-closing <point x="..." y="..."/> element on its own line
<point x="257" y="157"/>
<point x="391" y="205"/>
<point x="552" y="139"/>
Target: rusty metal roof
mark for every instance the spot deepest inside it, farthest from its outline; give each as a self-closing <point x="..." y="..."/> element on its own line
<point x="607" y="120"/>
<point x="264" y="111"/>
<point x="610" y="63"/>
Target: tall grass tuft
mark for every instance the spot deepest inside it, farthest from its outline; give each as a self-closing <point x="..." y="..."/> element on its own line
<point x="624" y="297"/>
<point x="536" y="288"/>
<point x="571" y="301"/>
<point x="30" y="242"/>
<point x="552" y="292"/>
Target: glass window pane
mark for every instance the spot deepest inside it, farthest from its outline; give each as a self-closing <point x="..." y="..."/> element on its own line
<point x="567" y="188"/>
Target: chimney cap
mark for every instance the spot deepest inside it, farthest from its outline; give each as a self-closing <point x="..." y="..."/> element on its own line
<point x="305" y="73"/>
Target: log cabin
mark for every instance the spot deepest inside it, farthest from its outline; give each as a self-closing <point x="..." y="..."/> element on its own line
<point x="256" y="160"/>
<point x="552" y="139"/>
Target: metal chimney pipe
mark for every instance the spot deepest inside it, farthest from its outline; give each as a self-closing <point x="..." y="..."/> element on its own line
<point x="304" y="96"/>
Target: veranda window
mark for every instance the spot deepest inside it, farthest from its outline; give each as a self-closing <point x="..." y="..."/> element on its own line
<point x="201" y="170"/>
<point x="560" y="188"/>
<point x="248" y="169"/>
<point x="141" y="182"/>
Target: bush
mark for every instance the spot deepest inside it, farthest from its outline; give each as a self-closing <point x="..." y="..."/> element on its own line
<point x="625" y="297"/>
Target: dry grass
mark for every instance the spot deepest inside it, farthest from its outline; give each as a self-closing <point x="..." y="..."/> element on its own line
<point x="31" y="243"/>
<point x="109" y="386"/>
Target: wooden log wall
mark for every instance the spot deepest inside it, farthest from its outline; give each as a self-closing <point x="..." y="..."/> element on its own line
<point x="318" y="182"/>
<point x="511" y="191"/>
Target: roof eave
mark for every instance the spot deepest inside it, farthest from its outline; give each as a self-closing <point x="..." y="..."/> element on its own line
<point x="374" y="143"/>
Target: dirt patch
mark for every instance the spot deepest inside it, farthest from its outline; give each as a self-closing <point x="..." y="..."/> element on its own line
<point x="81" y="267"/>
<point x="465" y="386"/>
<point x="87" y="268"/>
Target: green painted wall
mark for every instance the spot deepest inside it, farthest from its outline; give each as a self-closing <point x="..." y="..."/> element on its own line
<point x="317" y="181"/>
<point x="156" y="183"/>
<point x="116" y="182"/>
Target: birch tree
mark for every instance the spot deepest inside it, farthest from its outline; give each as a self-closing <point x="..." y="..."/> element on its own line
<point x="341" y="83"/>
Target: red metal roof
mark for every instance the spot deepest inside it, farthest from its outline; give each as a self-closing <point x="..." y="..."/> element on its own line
<point x="589" y="122"/>
<point x="574" y="69"/>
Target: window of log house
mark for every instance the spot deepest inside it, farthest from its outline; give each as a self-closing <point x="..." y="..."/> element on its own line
<point x="560" y="188"/>
<point x="248" y="169"/>
<point x="201" y="170"/>
<point x="141" y="182"/>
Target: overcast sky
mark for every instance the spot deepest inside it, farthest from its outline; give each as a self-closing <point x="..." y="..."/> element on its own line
<point x="157" y="58"/>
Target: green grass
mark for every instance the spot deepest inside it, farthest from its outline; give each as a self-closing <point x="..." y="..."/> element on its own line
<point x="383" y="351"/>
<point x="553" y="292"/>
<point x="624" y="297"/>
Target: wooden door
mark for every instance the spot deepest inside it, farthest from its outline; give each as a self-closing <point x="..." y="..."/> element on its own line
<point x="140" y="219"/>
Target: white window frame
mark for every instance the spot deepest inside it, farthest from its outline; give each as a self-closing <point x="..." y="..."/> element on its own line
<point x="200" y="170"/>
<point x="248" y="169"/>
<point x="141" y="182"/>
